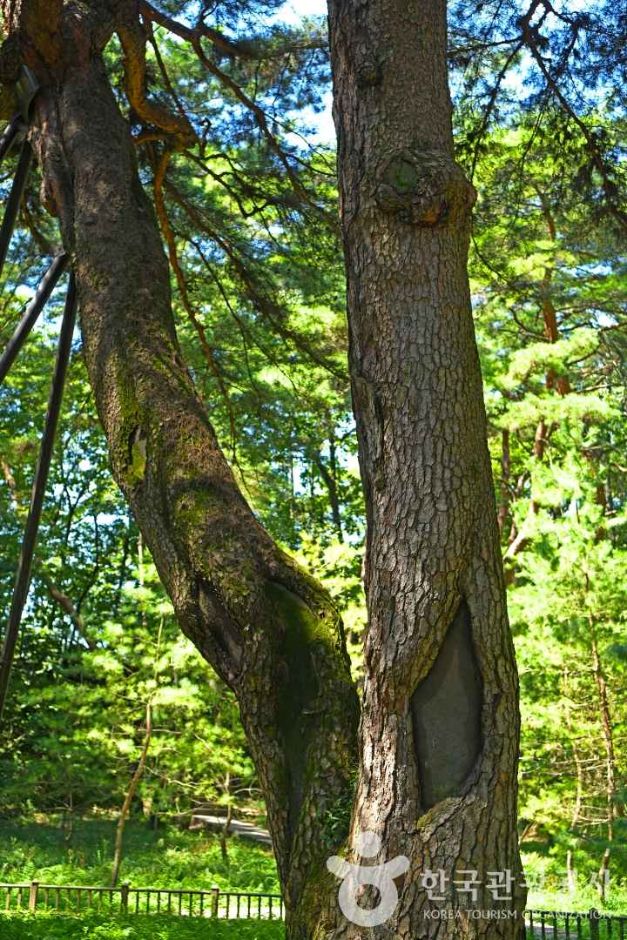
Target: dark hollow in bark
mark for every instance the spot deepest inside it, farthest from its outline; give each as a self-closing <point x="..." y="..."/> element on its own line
<point x="446" y="714"/>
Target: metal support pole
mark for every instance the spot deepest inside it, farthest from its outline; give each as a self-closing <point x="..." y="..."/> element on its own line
<point x="24" y="571"/>
<point x="14" y="200"/>
<point x="9" y="134"/>
<point x="44" y="290"/>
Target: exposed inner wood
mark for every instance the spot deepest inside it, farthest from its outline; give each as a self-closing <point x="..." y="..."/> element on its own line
<point x="446" y="714"/>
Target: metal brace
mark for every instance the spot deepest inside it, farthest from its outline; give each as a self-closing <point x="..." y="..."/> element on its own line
<point x="27" y="88"/>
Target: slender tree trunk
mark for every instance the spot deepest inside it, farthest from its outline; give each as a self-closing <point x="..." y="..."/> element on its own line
<point x="506" y="467"/>
<point x="571" y="873"/>
<point x="439" y="728"/>
<point x="226" y="828"/>
<point x="549" y="314"/>
<point x="610" y="758"/>
<point x="329" y="479"/>
<point x="138" y="773"/>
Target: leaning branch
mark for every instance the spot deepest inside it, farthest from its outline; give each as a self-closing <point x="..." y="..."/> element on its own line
<point x="68" y="607"/>
<point x="259" y="115"/>
<point x="264" y="304"/>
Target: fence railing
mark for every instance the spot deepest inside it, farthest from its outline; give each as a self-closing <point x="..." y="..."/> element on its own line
<point x="569" y="925"/>
<point x="185" y="902"/>
<point x="74" y="899"/>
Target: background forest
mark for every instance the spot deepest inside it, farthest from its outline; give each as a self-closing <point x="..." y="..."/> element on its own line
<point x="259" y="287"/>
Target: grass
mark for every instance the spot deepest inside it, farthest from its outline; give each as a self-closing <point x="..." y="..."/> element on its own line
<point x="135" y="927"/>
<point x="546" y="876"/>
<point x="552" y="899"/>
<point x="167" y="858"/>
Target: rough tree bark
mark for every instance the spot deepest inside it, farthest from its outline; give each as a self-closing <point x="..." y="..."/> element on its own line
<point x="439" y="727"/>
<point x="439" y="730"/>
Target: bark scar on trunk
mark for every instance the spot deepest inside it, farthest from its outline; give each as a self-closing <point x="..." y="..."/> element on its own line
<point x="137" y="455"/>
<point x="446" y="713"/>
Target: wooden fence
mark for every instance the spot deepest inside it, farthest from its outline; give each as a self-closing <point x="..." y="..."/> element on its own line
<point x="74" y="899"/>
<point x="569" y="925"/>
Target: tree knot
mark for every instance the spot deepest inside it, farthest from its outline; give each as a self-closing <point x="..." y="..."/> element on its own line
<point x="369" y="73"/>
<point x="423" y="187"/>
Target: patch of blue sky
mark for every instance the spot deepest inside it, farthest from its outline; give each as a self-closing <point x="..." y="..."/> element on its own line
<point x="319" y="122"/>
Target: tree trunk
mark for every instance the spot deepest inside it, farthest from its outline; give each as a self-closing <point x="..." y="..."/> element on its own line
<point x="129" y="796"/>
<point x="612" y="807"/>
<point x="439" y="727"/>
<point x="330" y="481"/>
<point x="571" y="873"/>
<point x="226" y="828"/>
<point x="270" y="631"/>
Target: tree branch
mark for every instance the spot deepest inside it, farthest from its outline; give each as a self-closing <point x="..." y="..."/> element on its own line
<point x="265" y="305"/>
<point x="608" y="186"/>
<point x="195" y="34"/>
<point x="133" y="40"/>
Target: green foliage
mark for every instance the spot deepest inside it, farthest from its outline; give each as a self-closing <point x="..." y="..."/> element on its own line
<point x="550" y="298"/>
<point x="167" y="858"/>
<point x="337" y="818"/>
<point x="99" y="640"/>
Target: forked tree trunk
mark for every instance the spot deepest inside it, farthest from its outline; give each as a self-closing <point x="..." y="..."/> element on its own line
<point x="439" y="732"/>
